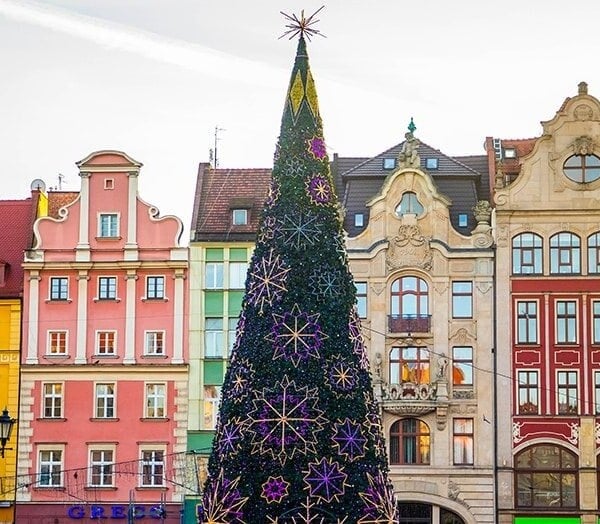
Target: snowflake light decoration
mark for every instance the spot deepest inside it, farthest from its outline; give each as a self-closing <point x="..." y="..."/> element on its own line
<point x="294" y="166"/>
<point x="230" y="436"/>
<point x="349" y="439"/>
<point x="300" y="230"/>
<point x="380" y="504"/>
<point x="296" y="336"/>
<point x="319" y="190"/>
<point x="268" y="229"/>
<point x="274" y="193"/>
<point x="285" y="420"/>
<point x="356" y="338"/>
<point x="326" y="480"/>
<point x="341" y="375"/>
<point x="242" y="373"/>
<point x="275" y="489"/>
<point x="267" y="280"/>
<point x="222" y="502"/>
<point x="316" y="146"/>
<point x="325" y="282"/>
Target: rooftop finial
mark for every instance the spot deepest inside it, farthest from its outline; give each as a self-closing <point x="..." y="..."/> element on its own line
<point x="411" y="126"/>
<point x="302" y="26"/>
<point x="582" y="88"/>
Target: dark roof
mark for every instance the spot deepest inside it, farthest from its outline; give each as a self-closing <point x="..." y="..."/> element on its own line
<point x="16" y="236"/>
<point x="460" y="181"/>
<point x="339" y="165"/>
<point x="218" y="191"/>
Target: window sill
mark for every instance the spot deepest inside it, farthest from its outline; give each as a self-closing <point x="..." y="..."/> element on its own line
<point x="96" y="299"/>
<point x="154" y="419"/>
<point x="104" y="419"/>
<point x="108" y="239"/>
<point x="151" y="488"/>
<point x="51" y="419"/>
<point x="153" y="356"/>
<point x="157" y="299"/>
<point x="44" y="488"/>
<point x="100" y="488"/>
<point x="57" y="356"/>
<point x="58" y="300"/>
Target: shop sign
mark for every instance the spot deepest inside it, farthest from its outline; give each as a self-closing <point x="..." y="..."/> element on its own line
<point x="95" y="511"/>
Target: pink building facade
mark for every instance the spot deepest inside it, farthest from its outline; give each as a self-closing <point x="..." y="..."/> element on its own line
<point x="104" y="358"/>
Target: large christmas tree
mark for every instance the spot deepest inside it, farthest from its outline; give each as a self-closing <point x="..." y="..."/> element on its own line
<point x="299" y="437"/>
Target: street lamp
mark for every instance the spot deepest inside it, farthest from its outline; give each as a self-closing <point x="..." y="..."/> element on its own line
<point x="6" y="426"/>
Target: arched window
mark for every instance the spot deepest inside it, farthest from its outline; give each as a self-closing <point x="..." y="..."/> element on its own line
<point x="409" y="205"/>
<point x="527" y="254"/>
<point x="409" y="442"/>
<point x="546" y="477"/>
<point x="582" y="168"/>
<point x="409" y="305"/>
<point x="593" y="247"/>
<point x="565" y="254"/>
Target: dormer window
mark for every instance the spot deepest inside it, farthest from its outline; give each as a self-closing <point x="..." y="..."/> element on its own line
<point x="510" y="152"/>
<point x="409" y="205"/>
<point x="389" y="163"/>
<point x="108" y="226"/>
<point x="463" y="220"/>
<point x="359" y="220"/>
<point x="431" y="163"/>
<point x="239" y="217"/>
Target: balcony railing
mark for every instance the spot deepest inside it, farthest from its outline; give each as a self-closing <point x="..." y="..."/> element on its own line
<point x="409" y="323"/>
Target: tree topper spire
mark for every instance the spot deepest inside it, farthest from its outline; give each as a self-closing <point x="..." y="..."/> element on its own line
<point x="301" y="26"/>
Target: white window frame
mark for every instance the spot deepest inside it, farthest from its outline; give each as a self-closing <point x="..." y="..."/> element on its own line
<point x="528" y="387"/>
<point x="150" y="467"/>
<point x="62" y="280"/>
<point x="100" y="334"/>
<point x="157" y="294"/>
<point x="572" y="323"/>
<point x="595" y="321"/>
<point x="101" y="462"/>
<point x="113" y="229"/>
<point x="213" y="339"/>
<point x="101" y="411"/>
<point x="232" y="323"/>
<point x="154" y="342"/>
<point x="155" y="402"/>
<point x="523" y="333"/>
<point x="58" y="334"/>
<point x="596" y="392"/>
<point x="57" y="399"/>
<point x="210" y="413"/>
<point x="239" y="217"/>
<point x="569" y="397"/>
<point x="214" y="275"/>
<point x="109" y="295"/>
<point x="55" y="466"/>
<point x="237" y="274"/>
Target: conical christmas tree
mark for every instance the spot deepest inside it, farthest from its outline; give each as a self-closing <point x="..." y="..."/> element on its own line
<point x="299" y="437"/>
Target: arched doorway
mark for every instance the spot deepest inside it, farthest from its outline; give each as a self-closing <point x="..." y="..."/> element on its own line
<point x="419" y="513"/>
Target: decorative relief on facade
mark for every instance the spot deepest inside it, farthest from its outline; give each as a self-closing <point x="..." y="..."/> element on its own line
<point x="409" y="248"/>
<point x="377" y="287"/>
<point x="463" y="336"/>
<point x="525" y="357"/>
<point x="482" y="211"/>
<point x="502" y="235"/>
<point x="566" y="357"/>
<point x="463" y="394"/>
<point x="483" y="287"/>
<point x="453" y="490"/>
<point x="483" y="238"/>
<point x="440" y="287"/>
<point x="564" y="430"/>
<point x="583" y="112"/>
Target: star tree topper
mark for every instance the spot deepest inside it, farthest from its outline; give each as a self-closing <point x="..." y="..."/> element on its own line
<point x="302" y="26"/>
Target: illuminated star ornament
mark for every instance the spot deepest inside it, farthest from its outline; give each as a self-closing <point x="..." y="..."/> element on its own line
<point x="302" y="26"/>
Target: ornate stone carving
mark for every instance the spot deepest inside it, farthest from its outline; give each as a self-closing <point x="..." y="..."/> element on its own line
<point x="482" y="211"/>
<point x="409" y="154"/>
<point x="377" y="287"/>
<point x="409" y="248"/>
<point x="583" y="112"/>
<point x="462" y="337"/>
<point x="463" y="394"/>
<point x="583" y="145"/>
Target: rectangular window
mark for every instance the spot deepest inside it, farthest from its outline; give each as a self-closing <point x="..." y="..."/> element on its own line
<point x="462" y="299"/>
<point x="59" y="288"/>
<point x="389" y="163"/>
<point x="527" y="322"/>
<point x="156" y="395"/>
<point x="101" y="467"/>
<point x="240" y="217"/>
<point x="359" y="220"/>
<point x="597" y="392"/>
<point x="106" y="343"/>
<point x="155" y="287"/>
<point x="155" y="343"/>
<point x="463" y="441"/>
<point x="237" y="275"/>
<point x="566" y="322"/>
<point x="57" y="343"/>
<point x="109" y="225"/>
<point x="463" y="220"/>
<point x="528" y="384"/>
<point x="361" y="299"/>
<point x="462" y="366"/>
<point x="50" y="468"/>
<point x="105" y="401"/>
<point x="431" y="163"/>
<point x="213" y="337"/>
<point x="107" y="288"/>
<point x="153" y="467"/>
<point x="212" y="395"/>
<point x="214" y="275"/>
<point x="231" y="332"/>
<point x="53" y="400"/>
<point x="409" y="364"/>
<point x="596" y="322"/>
<point x="567" y="393"/>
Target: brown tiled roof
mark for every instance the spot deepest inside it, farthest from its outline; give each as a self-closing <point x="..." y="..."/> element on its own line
<point x="16" y="235"/>
<point x="218" y="191"/>
<point x="59" y="199"/>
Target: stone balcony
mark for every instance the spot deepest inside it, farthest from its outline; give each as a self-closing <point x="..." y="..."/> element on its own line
<point x="409" y="324"/>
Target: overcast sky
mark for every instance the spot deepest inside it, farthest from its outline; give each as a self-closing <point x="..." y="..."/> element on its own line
<point x="154" y="78"/>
